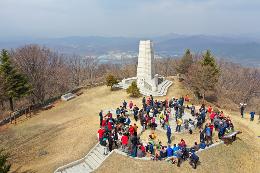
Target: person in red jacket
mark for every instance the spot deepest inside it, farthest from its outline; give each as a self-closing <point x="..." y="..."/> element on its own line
<point x="109" y="115"/>
<point x="131" y="130"/>
<point x="104" y="122"/>
<point x="142" y="148"/>
<point x="182" y="143"/>
<point x="101" y="132"/>
<point x="209" y="109"/>
<point x="186" y="98"/>
<point x="110" y="125"/>
<point x="131" y="105"/>
<point x="124" y="141"/>
<point x="212" y="116"/>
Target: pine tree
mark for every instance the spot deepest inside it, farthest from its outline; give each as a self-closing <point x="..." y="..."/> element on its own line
<point x="111" y="81"/>
<point x="204" y="75"/>
<point x="208" y="59"/>
<point x="2" y="92"/>
<point x="4" y="166"/>
<point x="15" y="84"/>
<point x="185" y="63"/>
<point x="133" y="90"/>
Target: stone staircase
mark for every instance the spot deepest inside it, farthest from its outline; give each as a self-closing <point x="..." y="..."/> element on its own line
<point x="87" y="164"/>
<point x="162" y="89"/>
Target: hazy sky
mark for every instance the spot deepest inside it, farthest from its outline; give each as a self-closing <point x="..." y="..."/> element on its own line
<point x="58" y="18"/>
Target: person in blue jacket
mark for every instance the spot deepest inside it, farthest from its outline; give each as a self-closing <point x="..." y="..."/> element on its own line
<point x="203" y="145"/>
<point x="169" y="133"/>
<point x="175" y="149"/>
<point x="169" y="151"/>
<point x="252" y="116"/>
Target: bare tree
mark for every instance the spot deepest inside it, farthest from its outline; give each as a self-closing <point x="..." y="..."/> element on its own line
<point x="90" y="67"/>
<point x="165" y="66"/>
<point x="76" y="69"/>
<point x="45" y="70"/>
<point x="237" y="83"/>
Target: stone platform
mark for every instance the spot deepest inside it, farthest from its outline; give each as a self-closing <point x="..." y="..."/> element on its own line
<point x="162" y="88"/>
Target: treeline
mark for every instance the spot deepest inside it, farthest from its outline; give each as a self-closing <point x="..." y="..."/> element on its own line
<point x="34" y="74"/>
<point x="239" y="84"/>
<point x="224" y="83"/>
<point x="46" y="74"/>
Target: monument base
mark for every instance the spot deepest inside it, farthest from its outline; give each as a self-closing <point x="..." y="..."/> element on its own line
<point x="162" y="88"/>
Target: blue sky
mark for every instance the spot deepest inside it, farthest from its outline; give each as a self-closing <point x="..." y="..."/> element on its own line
<point x="59" y="18"/>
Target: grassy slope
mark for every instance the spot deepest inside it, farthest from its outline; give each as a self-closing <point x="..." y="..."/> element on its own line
<point x="68" y="131"/>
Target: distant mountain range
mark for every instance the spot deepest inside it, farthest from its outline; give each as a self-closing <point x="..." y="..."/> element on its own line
<point x="238" y="49"/>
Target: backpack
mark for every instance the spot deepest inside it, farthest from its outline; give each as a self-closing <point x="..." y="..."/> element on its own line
<point x="103" y="142"/>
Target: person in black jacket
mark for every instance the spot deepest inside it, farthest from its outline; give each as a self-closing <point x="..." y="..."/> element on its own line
<point x="194" y="159"/>
<point x="134" y="141"/>
<point x="101" y="117"/>
<point x="202" y="136"/>
<point x="110" y="143"/>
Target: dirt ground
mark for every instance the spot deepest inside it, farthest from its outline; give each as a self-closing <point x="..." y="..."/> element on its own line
<point x="68" y="131"/>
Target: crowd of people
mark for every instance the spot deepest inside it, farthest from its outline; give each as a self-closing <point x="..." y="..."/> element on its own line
<point x="118" y="132"/>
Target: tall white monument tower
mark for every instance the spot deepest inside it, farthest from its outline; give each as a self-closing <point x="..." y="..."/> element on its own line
<point x="147" y="81"/>
<point x="145" y="69"/>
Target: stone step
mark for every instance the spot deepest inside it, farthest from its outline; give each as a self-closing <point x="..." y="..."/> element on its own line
<point x="99" y="155"/>
<point x="85" y="167"/>
<point x="96" y="158"/>
<point x="162" y="92"/>
<point x="99" y="147"/>
<point x="91" y="162"/>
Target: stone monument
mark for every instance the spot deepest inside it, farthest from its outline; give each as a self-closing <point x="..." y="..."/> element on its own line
<point x="145" y="69"/>
<point x="147" y="81"/>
